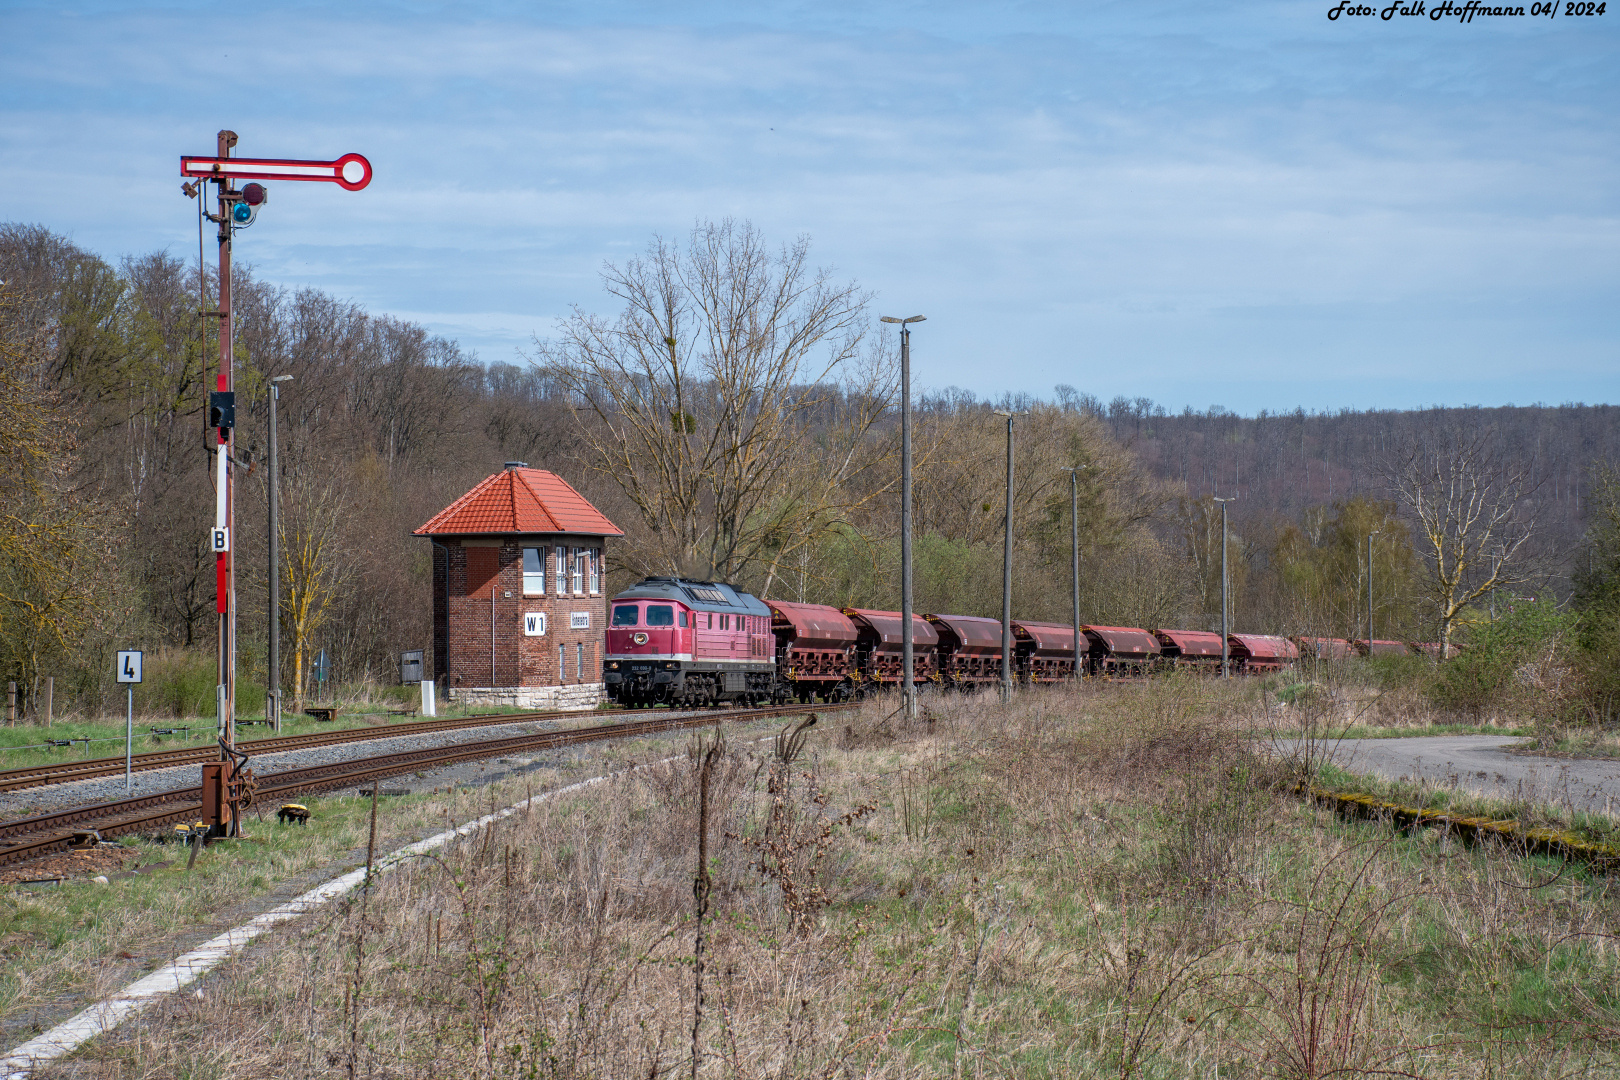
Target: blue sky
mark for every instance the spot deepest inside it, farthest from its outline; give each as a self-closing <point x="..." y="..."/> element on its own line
<point x="1239" y="204"/>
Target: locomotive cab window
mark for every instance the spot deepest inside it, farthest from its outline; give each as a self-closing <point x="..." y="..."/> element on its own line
<point x="624" y="615"/>
<point x="660" y="615"/>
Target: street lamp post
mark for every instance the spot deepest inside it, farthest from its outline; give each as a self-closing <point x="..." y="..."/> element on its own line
<point x="1074" y="553"/>
<point x="908" y="686"/>
<point x="1226" y="648"/>
<point x="1006" y="571"/>
<point x="274" y="697"/>
<point x="1370" y="591"/>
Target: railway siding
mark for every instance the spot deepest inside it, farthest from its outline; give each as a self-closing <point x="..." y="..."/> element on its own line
<point x="51" y="831"/>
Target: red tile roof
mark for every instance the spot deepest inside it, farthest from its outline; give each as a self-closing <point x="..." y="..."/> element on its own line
<point x="521" y="501"/>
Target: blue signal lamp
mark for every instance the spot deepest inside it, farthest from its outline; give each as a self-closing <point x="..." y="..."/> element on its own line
<point x="247" y="207"/>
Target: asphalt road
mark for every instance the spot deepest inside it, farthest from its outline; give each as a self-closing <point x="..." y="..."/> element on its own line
<point x="1479" y="763"/>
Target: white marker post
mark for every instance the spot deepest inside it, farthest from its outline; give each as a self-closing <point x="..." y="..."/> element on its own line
<point x="129" y="673"/>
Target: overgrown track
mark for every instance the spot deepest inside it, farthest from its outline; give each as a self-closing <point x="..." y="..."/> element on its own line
<point x="28" y="838"/>
<point x="90" y="769"/>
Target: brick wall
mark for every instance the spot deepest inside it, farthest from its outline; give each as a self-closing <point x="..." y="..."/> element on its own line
<point x="485" y="643"/>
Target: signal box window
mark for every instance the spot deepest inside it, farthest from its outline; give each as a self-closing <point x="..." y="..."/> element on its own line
<point x="624" y="615"/>
<point x="579" y="571"/>
<point x="534" y="571"/>
<point x="660" y="615"/>
<point x="562" y="571"/>
<point x="596" y="570"/>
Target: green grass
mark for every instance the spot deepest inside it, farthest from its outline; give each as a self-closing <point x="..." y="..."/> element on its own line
<point x="57" y="939"/>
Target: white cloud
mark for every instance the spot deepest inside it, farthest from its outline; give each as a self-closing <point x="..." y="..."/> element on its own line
<point x="1186" y="193"/>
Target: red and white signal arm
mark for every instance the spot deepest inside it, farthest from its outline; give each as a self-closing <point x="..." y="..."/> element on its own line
<point x="351" y="171"/>
<point x="129" y="666"/>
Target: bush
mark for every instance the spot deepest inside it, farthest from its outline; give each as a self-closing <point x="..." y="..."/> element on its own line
<point x="1508" y="660"/>
<point x="1391" y="672"/>
<point x="182" y="683"/>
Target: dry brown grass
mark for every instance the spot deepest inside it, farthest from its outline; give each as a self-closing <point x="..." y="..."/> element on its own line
<point x="1098" y="882"/>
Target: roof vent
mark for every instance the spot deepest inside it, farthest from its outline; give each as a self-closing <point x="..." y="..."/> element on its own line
<point x="517" y="464"/>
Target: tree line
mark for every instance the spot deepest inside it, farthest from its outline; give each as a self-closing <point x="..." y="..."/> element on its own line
<point x="736" y="412"/>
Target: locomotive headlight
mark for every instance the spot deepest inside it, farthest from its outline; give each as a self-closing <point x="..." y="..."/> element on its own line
<point x="613" y="665"/>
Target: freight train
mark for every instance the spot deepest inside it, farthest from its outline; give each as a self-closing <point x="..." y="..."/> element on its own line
<point x="681" y="642"/>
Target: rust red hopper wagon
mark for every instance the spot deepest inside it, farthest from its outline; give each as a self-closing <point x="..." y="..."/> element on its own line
<point x="687" y="642"/>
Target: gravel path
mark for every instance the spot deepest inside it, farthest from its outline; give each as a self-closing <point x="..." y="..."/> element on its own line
<point x="42" y="800"/>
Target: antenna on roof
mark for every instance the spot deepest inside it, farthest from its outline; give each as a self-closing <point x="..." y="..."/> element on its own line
<point x="517" y="464"/>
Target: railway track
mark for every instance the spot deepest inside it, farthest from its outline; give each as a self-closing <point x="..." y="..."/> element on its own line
<point x="93" y="768"/>
<point x="44" y="834"/>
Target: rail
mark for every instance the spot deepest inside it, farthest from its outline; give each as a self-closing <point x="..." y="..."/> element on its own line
<point x="92" y="768"/>
<point x="43" y="834"/>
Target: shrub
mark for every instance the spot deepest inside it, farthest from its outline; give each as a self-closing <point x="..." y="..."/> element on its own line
<point x="182" y="683"/>
<point x="1514" y="652"/>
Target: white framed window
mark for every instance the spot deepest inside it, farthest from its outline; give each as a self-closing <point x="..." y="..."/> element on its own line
<point x="562" y="571"/>
<point x="579" y="661"/>
<point x="534" y="571"/>
<point x="596" y="571"/>
<point x="579" y="571"/>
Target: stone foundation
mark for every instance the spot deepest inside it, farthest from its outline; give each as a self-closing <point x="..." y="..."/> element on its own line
<point x="579" y="696"/>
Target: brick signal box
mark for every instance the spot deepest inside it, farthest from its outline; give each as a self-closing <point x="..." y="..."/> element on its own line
<point x="519" y="593"/>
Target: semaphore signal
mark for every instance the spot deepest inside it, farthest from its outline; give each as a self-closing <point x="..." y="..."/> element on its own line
<point x="226" y="782"/>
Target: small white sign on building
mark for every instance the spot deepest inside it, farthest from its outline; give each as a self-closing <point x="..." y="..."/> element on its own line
<point x="579" y="620"/>
<point x="534" y="624"/>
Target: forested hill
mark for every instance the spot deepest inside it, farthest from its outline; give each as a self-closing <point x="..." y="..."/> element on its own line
<point x="1284" y="463"/>
<point x="105" y="486"/>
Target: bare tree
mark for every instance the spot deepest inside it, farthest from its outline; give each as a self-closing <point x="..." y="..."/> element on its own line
<point x="733" y="400"/>
<point x="1469" y="502"/>
<point x="58" y="548"/>
<point x="317" y="567"/>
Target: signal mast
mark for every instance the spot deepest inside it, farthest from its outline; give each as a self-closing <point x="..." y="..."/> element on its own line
<point x="227" y="782"/>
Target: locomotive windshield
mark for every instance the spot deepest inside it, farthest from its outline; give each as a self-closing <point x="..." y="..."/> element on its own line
<point x="624" y="615"/>
<point x="658" y="615"/>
